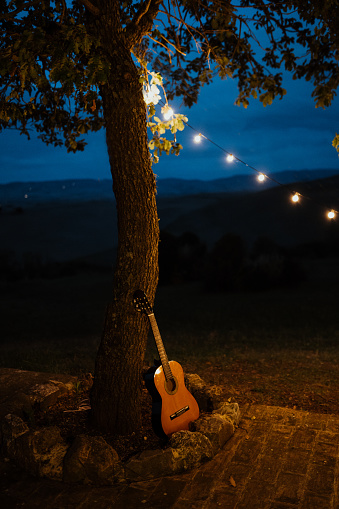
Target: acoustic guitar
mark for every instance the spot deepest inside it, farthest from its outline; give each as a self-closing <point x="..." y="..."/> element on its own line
<point x="173" y="406"/>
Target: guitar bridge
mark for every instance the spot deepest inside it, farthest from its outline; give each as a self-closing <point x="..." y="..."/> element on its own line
<point x="179" y="412"/>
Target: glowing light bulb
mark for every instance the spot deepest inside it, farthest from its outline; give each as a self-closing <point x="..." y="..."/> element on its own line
<point x="230" y="158"/>
<point x="261" y="177"/>
<point x="331" y="214"/>
<point x="167" y="112"/>
<point x="295" y="198"/>
<point x="197" y="138"/>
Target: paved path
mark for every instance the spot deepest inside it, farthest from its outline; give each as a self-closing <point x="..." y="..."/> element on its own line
<point x="277" y="459"/>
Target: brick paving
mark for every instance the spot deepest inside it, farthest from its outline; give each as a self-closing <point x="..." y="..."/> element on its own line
<point x="277" y="459"/>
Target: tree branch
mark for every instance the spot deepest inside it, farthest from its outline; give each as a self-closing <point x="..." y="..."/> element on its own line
<point x="93" y="9"/>
<point x="20" y="9"/>
<point x="166" y="47"/>
<point x="142" y="22"/>
<point x="142" y="12"/>
<point x="64" y="9"/>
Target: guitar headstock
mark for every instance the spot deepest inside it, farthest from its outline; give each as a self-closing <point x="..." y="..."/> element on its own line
<point x="141" y="302"/>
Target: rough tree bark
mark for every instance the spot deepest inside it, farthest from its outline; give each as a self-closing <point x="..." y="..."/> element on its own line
<point x="117" y="382"/>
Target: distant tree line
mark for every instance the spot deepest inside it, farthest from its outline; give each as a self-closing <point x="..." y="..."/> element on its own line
<point x="230" y="266"/>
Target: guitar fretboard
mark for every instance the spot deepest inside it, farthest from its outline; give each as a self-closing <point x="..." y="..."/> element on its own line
<point x="160" y="346"/>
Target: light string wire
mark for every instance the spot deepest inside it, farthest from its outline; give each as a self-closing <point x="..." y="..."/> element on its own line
<point x="331" y="213"/>
<point x="295" y="195"/>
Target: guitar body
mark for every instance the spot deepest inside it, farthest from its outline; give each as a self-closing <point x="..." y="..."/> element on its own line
<point x="173" y="406"/>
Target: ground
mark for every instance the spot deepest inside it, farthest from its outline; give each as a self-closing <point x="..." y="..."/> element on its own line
<point x="272" y="348"/>
<point x="268" y="383"/>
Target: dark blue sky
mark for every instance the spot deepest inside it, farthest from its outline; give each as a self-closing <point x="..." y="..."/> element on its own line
<point x="291" y="134"/>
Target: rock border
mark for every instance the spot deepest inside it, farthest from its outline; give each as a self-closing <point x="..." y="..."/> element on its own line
<point x="91" y="460"/>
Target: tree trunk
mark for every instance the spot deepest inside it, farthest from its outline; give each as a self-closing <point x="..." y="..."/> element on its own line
<point x="116" y="391"/>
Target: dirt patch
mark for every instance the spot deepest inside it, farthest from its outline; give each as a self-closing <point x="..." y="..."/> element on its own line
<point x="273" y="382"/>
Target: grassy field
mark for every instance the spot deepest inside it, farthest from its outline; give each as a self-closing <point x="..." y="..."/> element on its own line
<point x="279" y="347"/>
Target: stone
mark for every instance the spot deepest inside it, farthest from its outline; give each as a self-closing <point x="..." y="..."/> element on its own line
<point x="230" y="410"/>
<point x="91" y="460"/>
<point x="64" y="387"/>
<point x="190" y="449"/>
<point x="12" y="426"/>
<point x="46" y="395"/>
<point x="186" y="450"/>
<point x="208" y="397"/>
<point x="40" y="452"/>
<point x="217" y="428"/>
<point x="16" y="393"/>
<point x="21" y="405"/>
<point x="150" y="464"/>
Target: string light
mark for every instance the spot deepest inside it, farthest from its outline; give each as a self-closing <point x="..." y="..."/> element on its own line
<point x="295" y="197"/>
<point x="168" y="112"/>
<point x="151" y="95"/>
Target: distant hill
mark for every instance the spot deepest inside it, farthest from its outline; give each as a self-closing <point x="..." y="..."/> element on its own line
<point x="30" y="193"/>
<point x="237" y="183"/>
<point x="268" y="213"/>
<point x="61" y="222"/>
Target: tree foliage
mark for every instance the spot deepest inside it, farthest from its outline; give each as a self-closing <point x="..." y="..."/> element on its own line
<point x="53" y="59"/>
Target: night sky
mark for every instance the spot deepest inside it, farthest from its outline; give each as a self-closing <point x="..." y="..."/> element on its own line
<point x="291" y="134"/>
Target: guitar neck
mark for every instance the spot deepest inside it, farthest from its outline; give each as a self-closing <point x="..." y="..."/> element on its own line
<point x="160" y="347"/>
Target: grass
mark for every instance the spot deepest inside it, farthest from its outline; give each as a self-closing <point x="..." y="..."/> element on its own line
<point x="53" y="325"/>
<point x="279" y="347"/>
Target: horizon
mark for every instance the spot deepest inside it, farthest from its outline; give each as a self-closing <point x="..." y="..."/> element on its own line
<point x="226" y="177"/>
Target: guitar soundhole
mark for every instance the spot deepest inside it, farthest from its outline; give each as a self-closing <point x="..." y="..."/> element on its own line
<point x="171" y="385"/>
